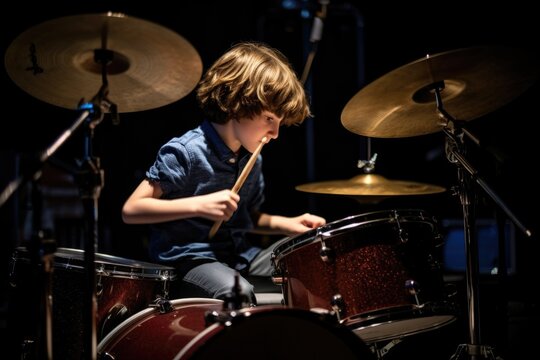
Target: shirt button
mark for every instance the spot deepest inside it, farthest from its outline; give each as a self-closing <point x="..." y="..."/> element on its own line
<point x="232" y="160"/>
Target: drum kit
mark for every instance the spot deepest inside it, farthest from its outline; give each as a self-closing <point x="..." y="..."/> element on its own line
<point x="374" y="275"/>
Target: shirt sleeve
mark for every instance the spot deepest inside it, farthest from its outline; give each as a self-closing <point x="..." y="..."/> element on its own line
<point x="171" y="168"/>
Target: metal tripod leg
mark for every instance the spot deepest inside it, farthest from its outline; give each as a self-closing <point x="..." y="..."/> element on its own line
<point x="382" y="351"/>
<point x="467" y="351"/>
<point x="467" y="175"/>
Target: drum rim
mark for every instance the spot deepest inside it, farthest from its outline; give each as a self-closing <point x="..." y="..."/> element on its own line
<point x="324" y="319"/>
<point x="386" y="319"/>
<point x="106" y="265"/>
<point x="291" y="244"/>
<point x="134" y="319"/>
<point x="390" y="315"/>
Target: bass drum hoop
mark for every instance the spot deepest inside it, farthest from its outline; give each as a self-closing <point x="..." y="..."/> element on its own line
<point x="213" y="335"/>
<point x="134" y="319"/>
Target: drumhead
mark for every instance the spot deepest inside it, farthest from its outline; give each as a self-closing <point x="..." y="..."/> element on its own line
<point x="395" y="323"/>
<point x="364" y="221"/>
<point x="105" y="265"/>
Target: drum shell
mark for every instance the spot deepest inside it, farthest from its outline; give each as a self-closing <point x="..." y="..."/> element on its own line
<point x="123" y="287"/>
<point x="262" y="332"/>
<point x="150" y="334"/>
<point x="277" y="332"/>
<point x="361" y="266"/>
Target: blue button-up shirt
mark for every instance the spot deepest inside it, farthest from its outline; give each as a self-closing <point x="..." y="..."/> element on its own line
<point x="199" y="163"/>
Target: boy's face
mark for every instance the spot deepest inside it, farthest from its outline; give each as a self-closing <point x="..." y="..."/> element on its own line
<point x="250" y="131"/>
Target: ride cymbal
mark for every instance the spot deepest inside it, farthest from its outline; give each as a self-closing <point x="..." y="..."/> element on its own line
<point x="151" y="66"/>
<point x="370" y="185"/>
<point x="476" y="81"/>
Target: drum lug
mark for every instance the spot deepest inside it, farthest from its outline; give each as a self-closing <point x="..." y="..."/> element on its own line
<point x="337" y="305"/>
<point x="403" y="236"/>
<point x="326" y="254"/>
<point x="278" y="278"/>
<point x="99" y="286"/>
<point x="165" y="289"/>
<point x="212" y="317"/>
<point x="412" y="287"/>
<point x="224" y="317"/>
<point x="164" y="305"/>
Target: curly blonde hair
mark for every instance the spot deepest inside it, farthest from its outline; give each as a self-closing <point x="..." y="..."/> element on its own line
<point x="248" y="79"/>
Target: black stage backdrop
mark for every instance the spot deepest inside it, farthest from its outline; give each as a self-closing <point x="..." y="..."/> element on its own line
<point x="361" y="42"/>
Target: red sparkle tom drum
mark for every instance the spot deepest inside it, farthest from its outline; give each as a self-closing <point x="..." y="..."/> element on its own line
<point x="379" y="271"/>
<point x="123" y="288"/>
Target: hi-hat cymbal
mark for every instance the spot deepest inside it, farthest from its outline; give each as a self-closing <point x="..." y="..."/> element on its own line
<point x="476" y="81"/>
<point x="370" y="185"/>
<point x="152" y="66"/>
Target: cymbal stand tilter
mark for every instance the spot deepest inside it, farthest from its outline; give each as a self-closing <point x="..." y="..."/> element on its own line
<point x="455" y="152"/>
<point x="368" y="166"/>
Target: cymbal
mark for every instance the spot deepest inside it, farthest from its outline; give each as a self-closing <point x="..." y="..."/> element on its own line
<point x="152" y="66"/>
<point x="476" y="80"/>
<point x="370" y="185"/>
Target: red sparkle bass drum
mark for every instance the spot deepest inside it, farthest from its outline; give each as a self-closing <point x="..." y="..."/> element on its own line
<point x="198" y="328"/>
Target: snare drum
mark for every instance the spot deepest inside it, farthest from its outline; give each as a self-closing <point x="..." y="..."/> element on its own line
<point x="192" y="330"/>
<point x="380" y="271"/>
<point x="123" y="288"/>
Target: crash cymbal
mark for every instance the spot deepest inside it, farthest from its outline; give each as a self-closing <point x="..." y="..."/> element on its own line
<point x="370" y="185"/>
<point x="152" y="66"/>
<point x="476" y="81"/>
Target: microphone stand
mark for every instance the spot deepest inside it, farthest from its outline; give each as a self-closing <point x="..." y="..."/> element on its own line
<point x="455" y="151"/>
<point x="314" y="38"/>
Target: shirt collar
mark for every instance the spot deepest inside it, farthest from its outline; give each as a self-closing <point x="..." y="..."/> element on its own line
<point x="223" y="152"/>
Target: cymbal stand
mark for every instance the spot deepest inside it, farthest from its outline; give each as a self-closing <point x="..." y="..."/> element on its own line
<point x="90" y="189"/>
<point x="91" y="185"/>
<point x="455" y="152"/>
<point x="46" y="249"/>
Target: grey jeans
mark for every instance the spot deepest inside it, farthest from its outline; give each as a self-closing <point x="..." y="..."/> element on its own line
<point x="216" y="279"/>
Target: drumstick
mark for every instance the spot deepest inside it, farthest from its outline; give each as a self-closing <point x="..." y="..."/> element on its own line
<point x="240" y="181"/>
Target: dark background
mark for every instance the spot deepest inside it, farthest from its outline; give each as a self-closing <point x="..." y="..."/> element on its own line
<point x="361" y="42"/>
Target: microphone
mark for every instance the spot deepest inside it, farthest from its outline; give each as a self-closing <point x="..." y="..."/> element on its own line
<point x="317" y="28"/>
<point x="315" y="36"/>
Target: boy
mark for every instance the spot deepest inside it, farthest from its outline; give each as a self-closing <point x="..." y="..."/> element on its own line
<point x="246" y="95"/>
